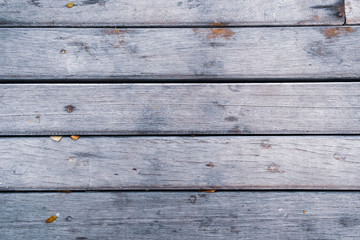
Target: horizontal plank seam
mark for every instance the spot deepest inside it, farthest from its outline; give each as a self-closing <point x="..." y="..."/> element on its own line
<point x="174" y="27"/>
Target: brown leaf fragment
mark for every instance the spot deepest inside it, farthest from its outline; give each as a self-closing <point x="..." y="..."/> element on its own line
<point x="51" y="219"/>
<point x="70" y="5"/>
<point x="74" y="137"/>
<point x="209" y="191"/>
<point x="56" y="138"/>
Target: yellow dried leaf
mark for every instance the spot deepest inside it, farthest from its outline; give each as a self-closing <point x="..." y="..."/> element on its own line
<point x="74" y="137"/>
<point x="70" y="5"/>
<point x="56" y="138"/>
<point x="209" y="191"/>
<point x="51" y="219"/>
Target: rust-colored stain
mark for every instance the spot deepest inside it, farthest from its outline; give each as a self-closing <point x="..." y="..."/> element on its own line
<point x="210" y="165"/>
<point x="304" y="211"/>
<point x="274" y="168"/>
<point x="265" y="144"/>
<point x="113" y="31"/>
<point x="219" y="24"/>
<point x="341" y="10"/>
<point x="315" y="17"/>
<point x="216" y="33"/>
<point x="220" y="32"/>
<point x="335" y="32"/>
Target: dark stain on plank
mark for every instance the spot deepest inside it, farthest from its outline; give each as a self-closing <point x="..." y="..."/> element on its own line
<point x="35" y="3"/>
<point x="206" y="222"/>
<point x="336" y="32"/>
<point x="338" y="9"/>
<point x="80" y="44"/>
<point x="86" y="155"/>
<point x="192" y="199"/>
<point x="91" y="2"/>
<point x="231" y="119"/>
<point x="349" y="221"/>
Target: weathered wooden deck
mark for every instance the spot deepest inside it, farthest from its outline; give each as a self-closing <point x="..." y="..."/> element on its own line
<point x="198" y="119"/>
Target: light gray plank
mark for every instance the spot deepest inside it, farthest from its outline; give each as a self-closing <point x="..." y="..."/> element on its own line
<point x="157" y="109"/>
<point x="181" y="215"/>
<point x="102" y="163"/>
<point x="168" y="53"/>
<point x="170" y="12"/>
<point x="352" y="8"/>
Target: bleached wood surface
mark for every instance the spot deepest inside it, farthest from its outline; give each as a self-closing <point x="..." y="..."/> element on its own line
<point x="170" y="12"/>
<point x="109" y="54"/>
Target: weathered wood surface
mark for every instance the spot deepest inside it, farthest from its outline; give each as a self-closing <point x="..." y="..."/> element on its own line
<point x="181" y="215"/>
<point x="167" y="53"/>
<point x="352" y="8"/>
<point x="102" y="163"/>
<point x="170" y="12"/>
<point x="157" y="109"/>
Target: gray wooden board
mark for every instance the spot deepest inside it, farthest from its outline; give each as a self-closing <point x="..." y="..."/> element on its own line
<point x="181" y="215"/>
<point x="178" y="109"/>
<point x="167" y="53"/>
<point x="170" y="12"/>
<point x="107" y="163"/>
<point x="352" y="8"/>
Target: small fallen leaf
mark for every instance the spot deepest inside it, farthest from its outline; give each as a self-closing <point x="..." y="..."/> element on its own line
<point x="70" y="5"/>
<point x="51" y="219"/>
<point x="209" y="191"/>
<point x="74" y="137"/>
<point x="56" y="138"/>
<point x="63" y="51"/>
<point x="304" y="211"/>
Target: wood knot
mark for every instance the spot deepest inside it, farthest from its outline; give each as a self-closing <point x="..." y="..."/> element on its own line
<point x="69" y="108"/>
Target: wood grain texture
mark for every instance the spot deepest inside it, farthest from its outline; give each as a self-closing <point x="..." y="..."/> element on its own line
<point x="167" y="53"/>
<point x="107" y="163"/>
<point x="170" y="12"/>
<point x="181" y="215"/>
<point x="157" y="109"/>
<point x="352" y="9"/>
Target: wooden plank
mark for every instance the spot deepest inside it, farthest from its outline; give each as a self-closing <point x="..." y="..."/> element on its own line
<point x="167" y="53"/>
<point x="171" y="13"/>
<point x="178" y="109"/>
<point x="103" y="163"/>
<point x="352" y="8"/>
<point x="181" y="215"/>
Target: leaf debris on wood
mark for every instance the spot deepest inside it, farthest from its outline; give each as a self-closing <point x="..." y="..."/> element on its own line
<point x="56" y="138"/>
<point x="70" y="5"/>
<point x="51" y="219"/>
<point x="74" y="137"/>
<point x="209" y="191"/>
